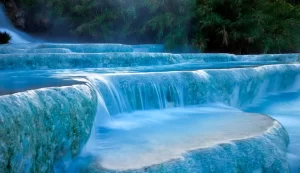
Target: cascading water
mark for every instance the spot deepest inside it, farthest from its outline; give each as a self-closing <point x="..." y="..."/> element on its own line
<point x="16" y="35"/>
<point x="121" y="108"/>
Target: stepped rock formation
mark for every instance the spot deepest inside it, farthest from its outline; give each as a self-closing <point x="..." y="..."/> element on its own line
<point x="112" y="108"/>
<point x="124" y="108"/>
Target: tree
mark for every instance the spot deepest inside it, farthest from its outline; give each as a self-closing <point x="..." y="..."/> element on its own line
<point x="247" y="26"/>
<point x="4" y="38"/>
<point x="233" y="26"/>
<point x="170" y="21"/>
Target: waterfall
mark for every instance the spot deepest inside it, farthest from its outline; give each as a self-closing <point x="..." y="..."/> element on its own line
<point x="115" y="107"/>
<point x="6" y="26"/>
<point x="128" y="102"/>
<point x="135" y="108"/>
<point x="125" y="93"/>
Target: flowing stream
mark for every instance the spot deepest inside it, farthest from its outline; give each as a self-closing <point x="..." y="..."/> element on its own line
<point x="134" y="108"/>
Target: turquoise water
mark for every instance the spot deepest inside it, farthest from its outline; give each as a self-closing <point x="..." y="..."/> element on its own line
<point x="284" y="107"/>
<point x="97" y="108"/>
<point x="123" y="108"/>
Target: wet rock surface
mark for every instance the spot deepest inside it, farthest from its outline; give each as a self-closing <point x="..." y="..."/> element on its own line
<point x="16" y="14"/>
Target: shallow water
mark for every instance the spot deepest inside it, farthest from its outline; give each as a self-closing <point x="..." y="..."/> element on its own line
<point x="98" y="108"/>
<point x="153" y="112"/>
<point x="145" y="138"/>
<point x="285" y="108"/>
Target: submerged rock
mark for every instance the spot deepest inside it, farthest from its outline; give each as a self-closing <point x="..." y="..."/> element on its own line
<point x="215" y="147"/>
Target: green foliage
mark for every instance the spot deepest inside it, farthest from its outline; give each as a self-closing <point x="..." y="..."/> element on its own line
<point x="4" y="38"/>
<point x="247" y="26"/>
<point x="235" y="26"/>
<point x="170" y="21"/>
<point x="281" y="27"/>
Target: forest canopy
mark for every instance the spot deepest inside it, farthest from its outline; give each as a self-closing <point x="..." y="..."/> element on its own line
<point x="234" y="26"/>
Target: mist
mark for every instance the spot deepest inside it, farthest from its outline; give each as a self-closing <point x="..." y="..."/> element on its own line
<point x="6" y="26"/>
<point x="129" y="22"/>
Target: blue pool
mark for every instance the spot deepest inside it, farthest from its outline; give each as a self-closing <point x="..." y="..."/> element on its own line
<point x="135" y="108"/>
